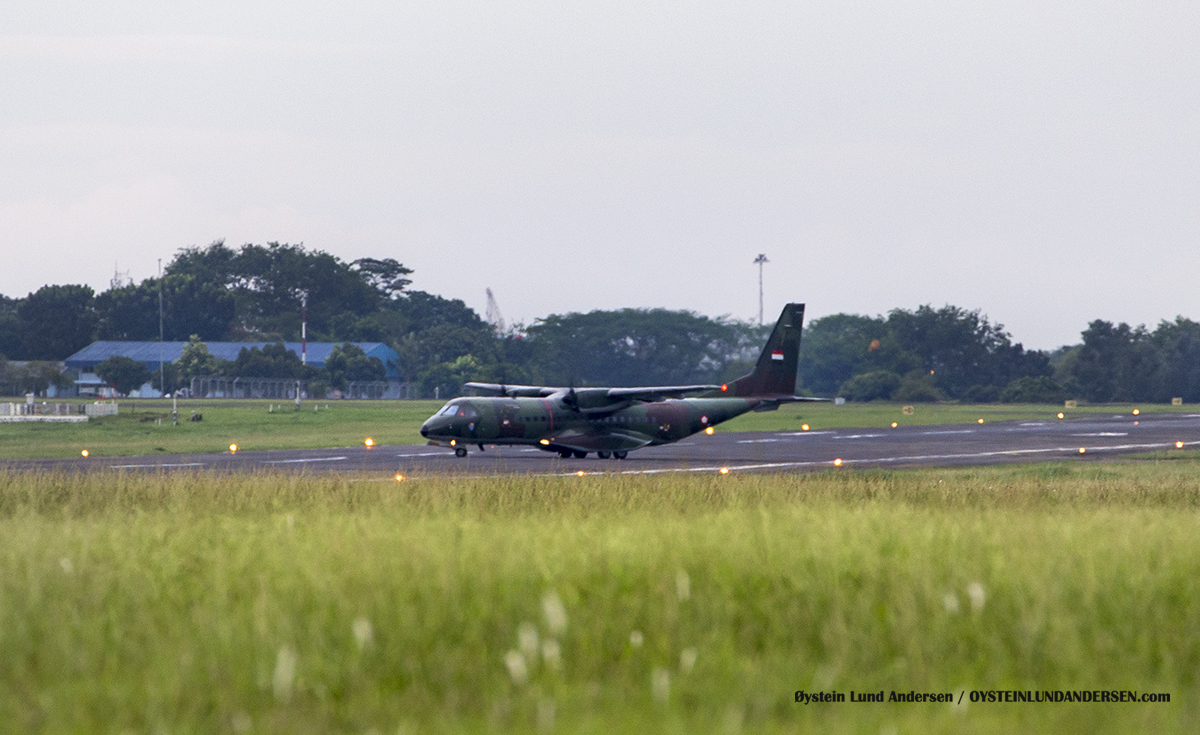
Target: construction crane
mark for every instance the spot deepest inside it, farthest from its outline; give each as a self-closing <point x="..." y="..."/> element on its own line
<point x="494" y="317"/>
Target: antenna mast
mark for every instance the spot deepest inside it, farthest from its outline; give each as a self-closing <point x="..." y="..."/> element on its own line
<point x="760" y="260"/>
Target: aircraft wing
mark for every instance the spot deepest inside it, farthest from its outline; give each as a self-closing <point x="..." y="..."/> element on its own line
<point x="504" y="390"/>
<point x="658" y="392"/>
<point x="614" y="395"/>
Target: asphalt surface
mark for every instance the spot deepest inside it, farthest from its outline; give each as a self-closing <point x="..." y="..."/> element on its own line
<point x="1100" y="437"/>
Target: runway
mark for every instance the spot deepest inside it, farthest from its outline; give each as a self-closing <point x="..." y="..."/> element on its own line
<point x="1079" y="439"/>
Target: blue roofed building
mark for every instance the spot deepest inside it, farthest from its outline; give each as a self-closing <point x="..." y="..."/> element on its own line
<point x="151" y="354"/>
<point x="85" y="360"/>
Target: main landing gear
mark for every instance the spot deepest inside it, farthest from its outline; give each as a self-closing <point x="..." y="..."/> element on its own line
<point x="614" y="455"/>
<point x="460" y="452"/>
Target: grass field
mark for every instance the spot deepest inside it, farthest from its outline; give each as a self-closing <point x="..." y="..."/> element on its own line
<point x="144" y="426"/>
<point x="186" y="603"/>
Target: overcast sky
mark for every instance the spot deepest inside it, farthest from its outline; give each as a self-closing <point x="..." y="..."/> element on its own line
<point x="1038" y="161"/>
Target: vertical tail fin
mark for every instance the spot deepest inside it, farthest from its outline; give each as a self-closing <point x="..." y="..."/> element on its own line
<point x="775" y="372"/>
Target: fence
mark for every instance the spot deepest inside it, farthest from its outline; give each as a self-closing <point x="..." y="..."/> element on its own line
<point x="58" y="409"/>
<point x="217" y="387"/>
<point x="212" y="386"/>
<point x="374" y="390"/>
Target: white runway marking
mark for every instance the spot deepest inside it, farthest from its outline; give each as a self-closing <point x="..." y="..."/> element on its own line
<point x="859" y="436"/>
<point x="1105" y="433"/>
<point x="956" y="431"/>
<point x="877" y="460"/>
<point x="757" y="441"/>
<point x="426" y="454"/>
<point x="130" y="466"/>
<point x="299" y="461"/>
<point x="805" y="433"/>
<point x="1040" y="423"/>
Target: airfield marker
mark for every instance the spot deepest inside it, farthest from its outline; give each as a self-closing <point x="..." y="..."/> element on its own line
<point x="981" y="421"/>
<point x="399" y="477"/>
<point x="1082" y="450"/>
<point x="724" y="470"/>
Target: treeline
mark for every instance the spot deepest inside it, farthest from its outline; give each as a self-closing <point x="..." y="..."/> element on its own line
<point x="255" y="292"/>
<point x="949" y="353"/>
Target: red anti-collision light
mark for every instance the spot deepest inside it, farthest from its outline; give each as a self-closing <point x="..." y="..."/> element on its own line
<point x="724" y="386"/>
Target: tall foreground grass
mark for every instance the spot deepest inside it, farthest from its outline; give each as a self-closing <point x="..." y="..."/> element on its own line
<point x="286" y="603"/>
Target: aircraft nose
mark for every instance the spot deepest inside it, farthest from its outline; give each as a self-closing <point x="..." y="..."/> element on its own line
<point x="425" y="430"/>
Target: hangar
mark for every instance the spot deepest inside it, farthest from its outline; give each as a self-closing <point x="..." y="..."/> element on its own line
<point x="152" y="353"/>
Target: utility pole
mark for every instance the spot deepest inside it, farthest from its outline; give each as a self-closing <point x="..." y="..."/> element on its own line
<point x="162" y="385"/>
<point x="760" y="260"/>
<point x="304" y="327"/>
<point x="303" y="340"/>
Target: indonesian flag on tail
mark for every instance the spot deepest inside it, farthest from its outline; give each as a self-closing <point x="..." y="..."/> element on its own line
<point x="776" y="354"/>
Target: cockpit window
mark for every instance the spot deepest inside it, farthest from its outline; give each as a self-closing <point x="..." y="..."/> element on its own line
<point x="458" y="409"/>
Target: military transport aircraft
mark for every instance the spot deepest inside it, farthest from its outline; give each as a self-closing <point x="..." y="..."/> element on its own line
<point x="613" y="421"/>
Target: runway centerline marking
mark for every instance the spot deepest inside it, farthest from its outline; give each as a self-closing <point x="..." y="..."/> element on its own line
<point x="299" y="461"/>
<point x="1105" y="433"/>
<point x="157" y="464"/>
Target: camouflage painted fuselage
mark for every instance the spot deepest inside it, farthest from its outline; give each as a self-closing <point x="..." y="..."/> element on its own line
<point x="550" y="424"/>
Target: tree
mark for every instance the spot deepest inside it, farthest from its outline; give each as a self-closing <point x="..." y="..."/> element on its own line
<point x="1178" y="347"/>
<point x="347" y="363"/>
<point x="872" y="386"/>
<point x="195" y="359"/>
<point x="10" y="328"/>
<point x="55" y="322"/>
<point x="446" y="379"/>
<point x="632" y="347"/>
<point x="962" y="348"/>
<point x="917" y="387"/>
<point x="1115" y="363"/>
<point x="272" y="361"/>
<point x="1031" y="389"/>
<point x="386" y="276"/>
<point x="268" y="282"/>
<point x="835" y="348"/>
<point x="123" y="373"/>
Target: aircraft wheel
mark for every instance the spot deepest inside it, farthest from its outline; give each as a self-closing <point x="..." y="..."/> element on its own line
<point x="460" y="452"/>
<point x="620" y="455"/>
<point x="603" y="455"/>
<point x="565" y="454"/>
<point x="580" y="455"/>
